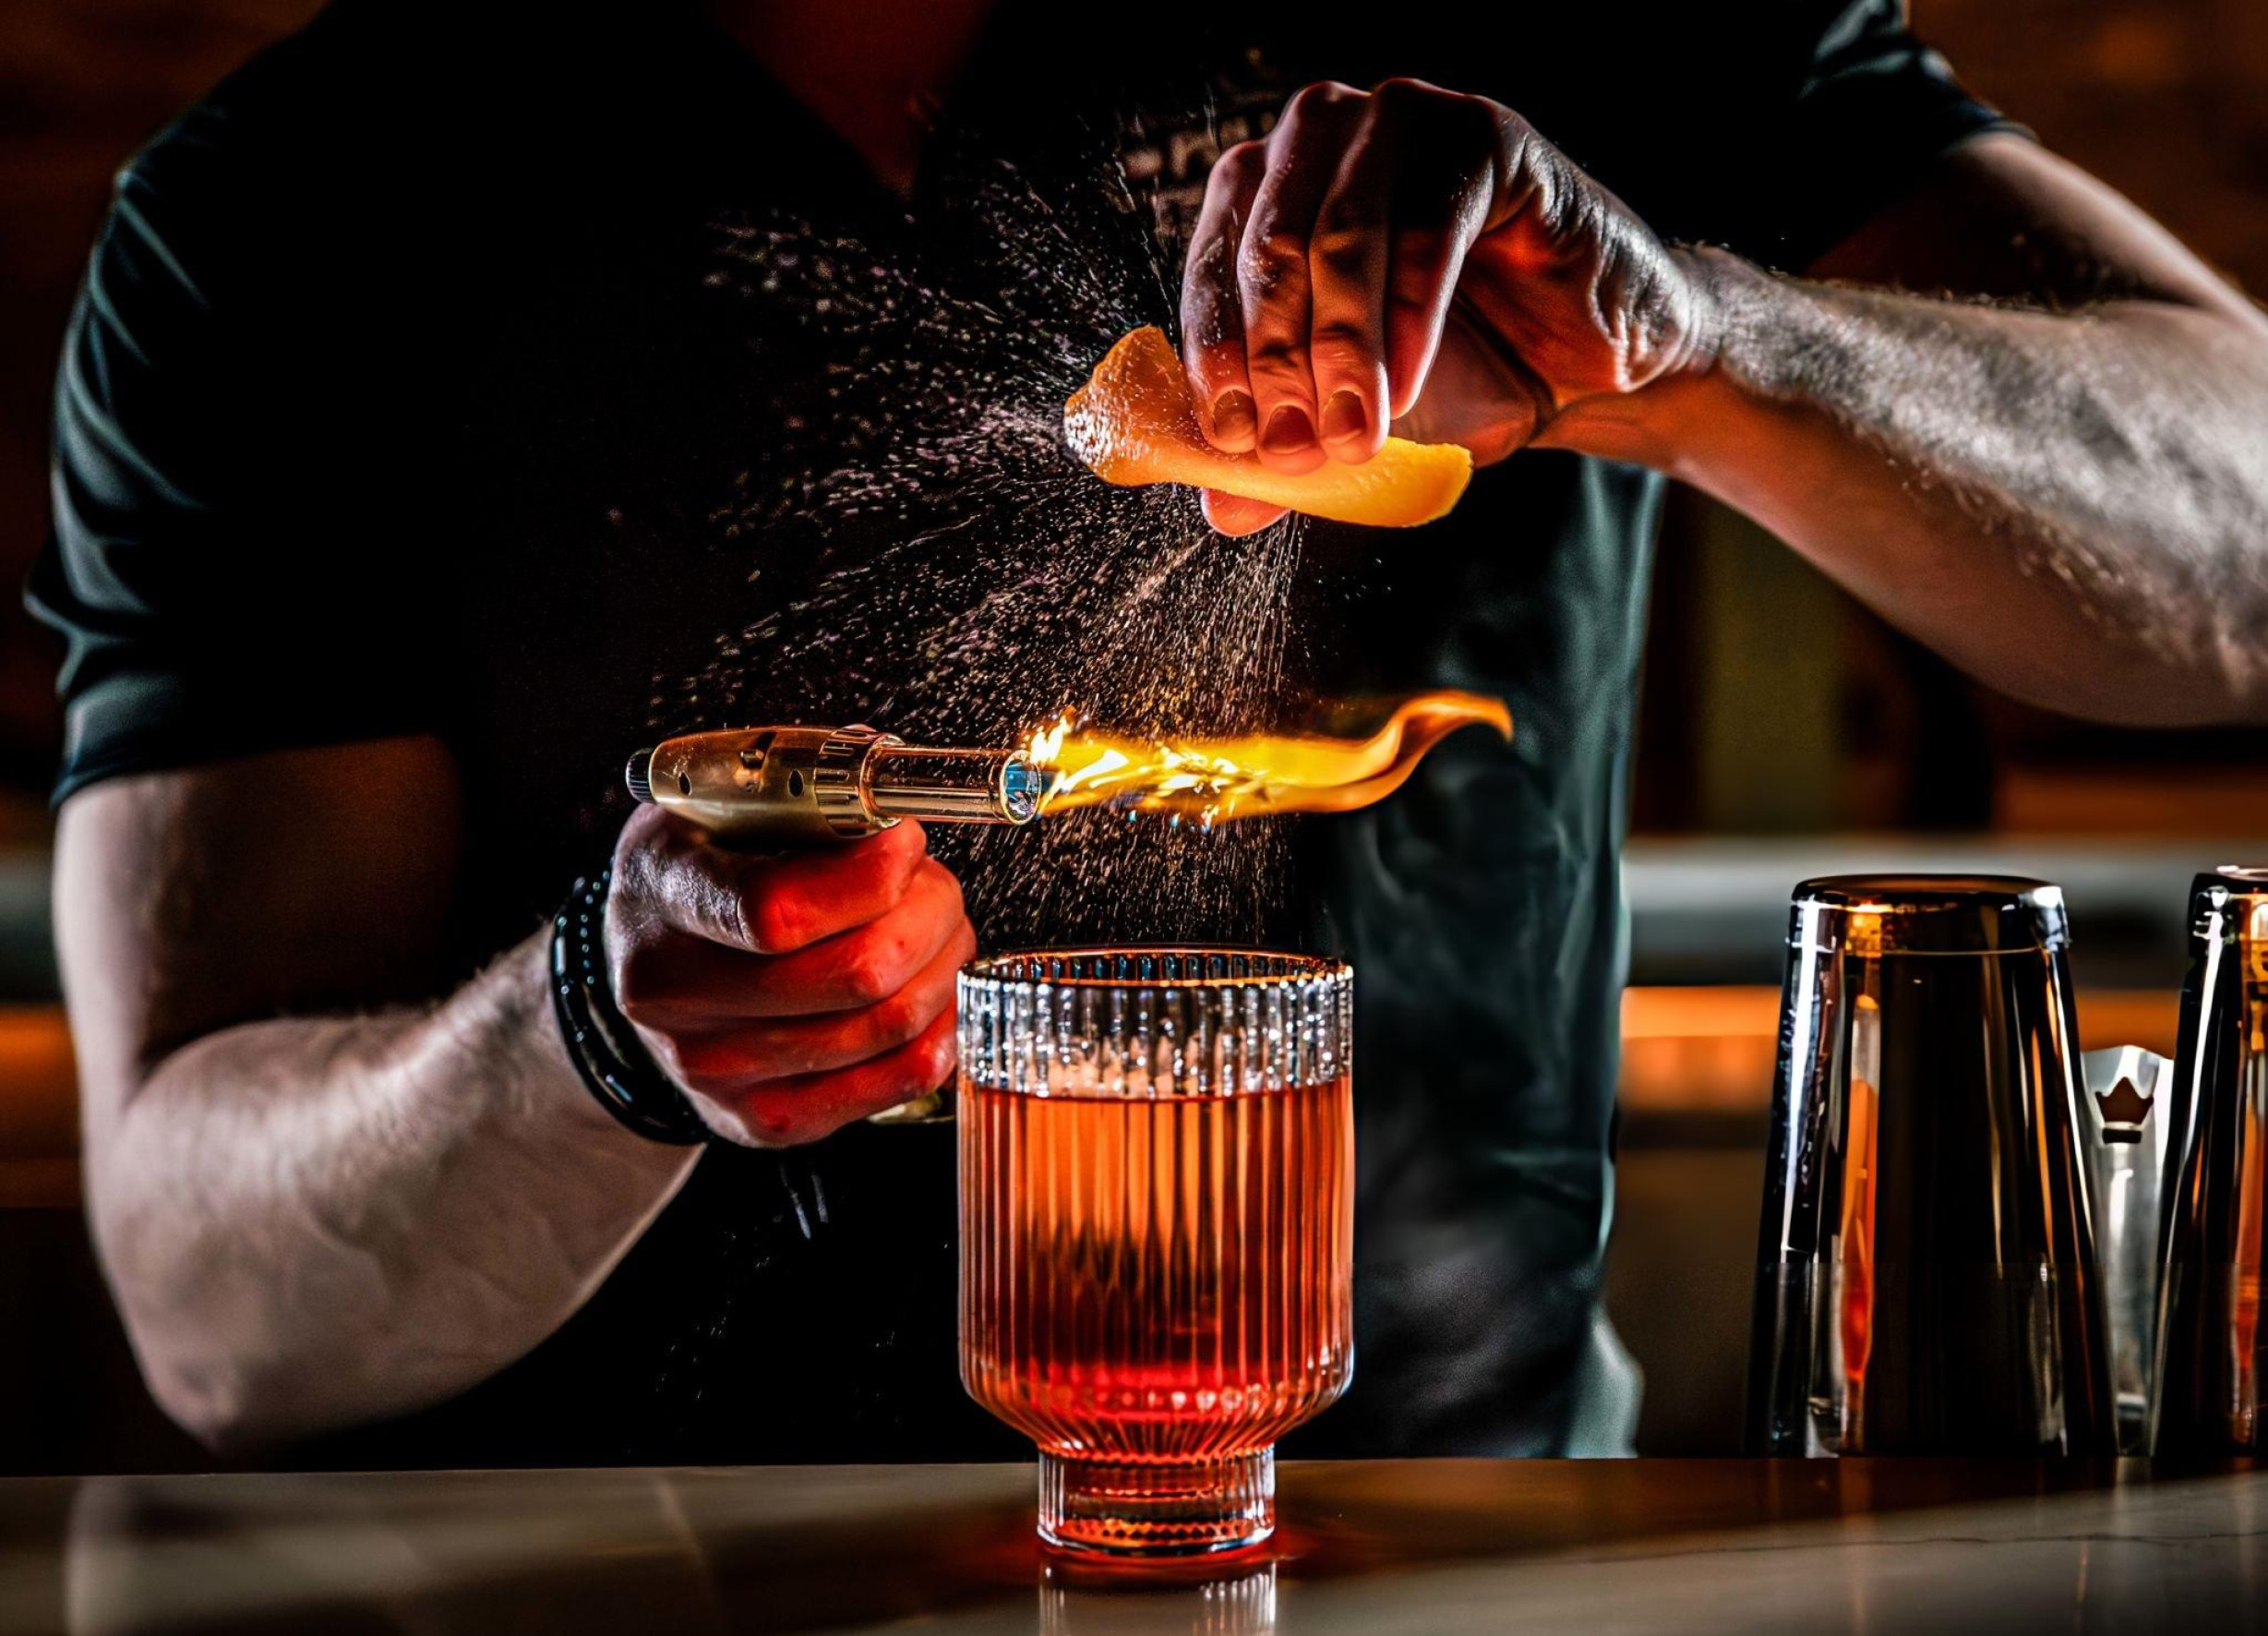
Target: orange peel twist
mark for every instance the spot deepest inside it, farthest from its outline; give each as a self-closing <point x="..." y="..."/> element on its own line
<point x="1133" y="423"/>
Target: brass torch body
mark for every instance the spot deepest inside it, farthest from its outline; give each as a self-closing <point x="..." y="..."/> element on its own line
<point x="795" y="785"/>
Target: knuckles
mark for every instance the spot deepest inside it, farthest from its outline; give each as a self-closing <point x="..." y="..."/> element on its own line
<point x="1339" y="341"/>
<point x="1420" y="246"/>
<point x="769" y="1125"/>
<point x="874" y="971"/>
<point x="1248" y="159"/>
<point x="1404" y="101"/>
<point x="1446" y="143"/>
<point x="934" y="1061"/>
<point x="1343" y="247"/>
<point x="1269" y="255"/>
<point x="898" y="1019"/>
<point x="1319" y="94"/>
<point x="1238" y="168"/>
<point x="1402" y="95"/>
<point x="768" y="920"/>
<point x="1276" y="355"/>
<point x="771" y="1117"/>
<point x="761" y="1120"/>
<point x="956" y="902"/>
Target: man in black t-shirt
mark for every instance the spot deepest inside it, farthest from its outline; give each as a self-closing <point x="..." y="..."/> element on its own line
<point x="407" y="433"/>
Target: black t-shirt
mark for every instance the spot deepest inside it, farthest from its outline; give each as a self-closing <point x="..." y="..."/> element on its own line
<point x="545" y="385"/>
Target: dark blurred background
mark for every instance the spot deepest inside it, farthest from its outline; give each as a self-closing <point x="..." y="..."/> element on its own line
<point x="1785" y="732"/>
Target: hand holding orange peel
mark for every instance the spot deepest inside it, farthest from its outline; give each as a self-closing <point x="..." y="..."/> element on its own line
<point x="1134" y="423"/>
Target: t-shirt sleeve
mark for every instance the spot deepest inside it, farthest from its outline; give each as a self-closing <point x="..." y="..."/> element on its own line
<point x="226" y="564"/>
<point x="1848" y="129"/>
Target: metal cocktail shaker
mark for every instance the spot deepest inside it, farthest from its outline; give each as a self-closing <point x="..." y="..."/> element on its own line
<point x="2210" y="1346"/>
<point x="1926" y="1277"/>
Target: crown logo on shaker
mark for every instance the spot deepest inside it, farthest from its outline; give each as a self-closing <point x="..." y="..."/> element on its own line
<point x="2124" y="1109"/>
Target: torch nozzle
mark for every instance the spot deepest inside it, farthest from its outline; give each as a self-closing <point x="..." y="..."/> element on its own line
<point x="784" y="785"/>
<point x="952" y="785"/>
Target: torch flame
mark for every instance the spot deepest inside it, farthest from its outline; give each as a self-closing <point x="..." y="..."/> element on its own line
<point x="1217" y="780"/>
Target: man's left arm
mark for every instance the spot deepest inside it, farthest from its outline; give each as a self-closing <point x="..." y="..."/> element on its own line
<point x="2052" y="466"/>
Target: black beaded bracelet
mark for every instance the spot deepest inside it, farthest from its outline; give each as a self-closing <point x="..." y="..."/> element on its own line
<point x="626" y="1080"/>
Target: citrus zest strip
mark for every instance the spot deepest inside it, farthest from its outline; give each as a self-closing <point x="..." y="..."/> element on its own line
<point x="1133" y="423"/>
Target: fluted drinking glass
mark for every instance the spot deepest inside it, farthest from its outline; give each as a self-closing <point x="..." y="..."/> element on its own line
<point x="1157" y="1228"/>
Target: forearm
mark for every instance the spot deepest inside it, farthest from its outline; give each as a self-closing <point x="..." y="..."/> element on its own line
<point x="314" y="1222"/>
<point x="2074" y="507"/>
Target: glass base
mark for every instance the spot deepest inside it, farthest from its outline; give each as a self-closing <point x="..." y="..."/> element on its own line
<point x="1118" y="1508"/>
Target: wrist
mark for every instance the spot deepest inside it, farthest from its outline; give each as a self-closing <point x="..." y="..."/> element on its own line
<point x="497" y="1041"/>
<point x="1662" y="424"/>
<point x="565" y="1098"/>
<point x="607" y="1052"/>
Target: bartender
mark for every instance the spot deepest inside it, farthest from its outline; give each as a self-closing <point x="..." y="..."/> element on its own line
<point x="393" y="427"/>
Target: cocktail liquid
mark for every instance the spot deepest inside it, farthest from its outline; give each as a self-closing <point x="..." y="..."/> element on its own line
<point x="1153" y="1290"/>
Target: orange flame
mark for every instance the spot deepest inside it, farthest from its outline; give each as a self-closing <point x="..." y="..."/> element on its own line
<point x="1217" y="780"/>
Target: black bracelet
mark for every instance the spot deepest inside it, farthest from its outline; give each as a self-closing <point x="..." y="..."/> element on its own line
<point x="600" y="1041"/>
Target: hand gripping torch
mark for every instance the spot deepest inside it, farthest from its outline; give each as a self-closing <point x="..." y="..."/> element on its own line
<point x="786" y="786"/>
<point x="779" y="787"/>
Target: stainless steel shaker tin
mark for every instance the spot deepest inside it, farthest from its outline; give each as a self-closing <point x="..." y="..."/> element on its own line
<point x="1925" y="1280"/>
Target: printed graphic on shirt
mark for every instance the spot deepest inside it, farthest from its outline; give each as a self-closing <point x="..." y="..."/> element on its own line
<point x="1169" y="153"/>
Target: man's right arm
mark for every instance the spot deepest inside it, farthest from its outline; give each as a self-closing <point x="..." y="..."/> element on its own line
<point x="321" y="1197"/>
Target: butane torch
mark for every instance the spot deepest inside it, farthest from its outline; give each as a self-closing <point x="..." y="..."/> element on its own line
<point x="785" y="785"/>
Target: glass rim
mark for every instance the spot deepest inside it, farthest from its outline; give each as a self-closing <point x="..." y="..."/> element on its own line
<point x="1153" y="1020"/>
<point x="1156" y="965"/>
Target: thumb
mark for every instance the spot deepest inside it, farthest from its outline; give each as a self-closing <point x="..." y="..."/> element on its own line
<point x="1233" y="515"/>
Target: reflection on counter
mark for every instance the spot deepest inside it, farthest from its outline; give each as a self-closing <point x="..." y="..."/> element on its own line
<point x="1431" y="1546"/>
<point x="1205" y="1598"/>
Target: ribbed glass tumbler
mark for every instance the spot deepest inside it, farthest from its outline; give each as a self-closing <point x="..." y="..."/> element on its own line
<point x="1157" y="1229"/>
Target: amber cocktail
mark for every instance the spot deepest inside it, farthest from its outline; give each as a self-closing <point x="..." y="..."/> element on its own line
<point x="1157" y="1229"/>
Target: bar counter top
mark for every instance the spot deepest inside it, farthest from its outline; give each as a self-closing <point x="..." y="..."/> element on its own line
<point x="1381" y="1547"/>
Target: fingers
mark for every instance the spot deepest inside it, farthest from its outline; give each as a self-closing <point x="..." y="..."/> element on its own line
<point x="760" y="903"/>
<point x="1212" y="307"/>
<point x="730" y="1062"/>
<point x="1273" y="280"/>
<point x="1323" y="268"/>
<point x="1425" y="262"/>
<point x="1437" y="214"/>
<point x="677" y="981"/>
<point x="788" y="995"/>
<point x="1234" y="516"/>
<point x="1346" y="272"/>
<point x="794" y="1110"/>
